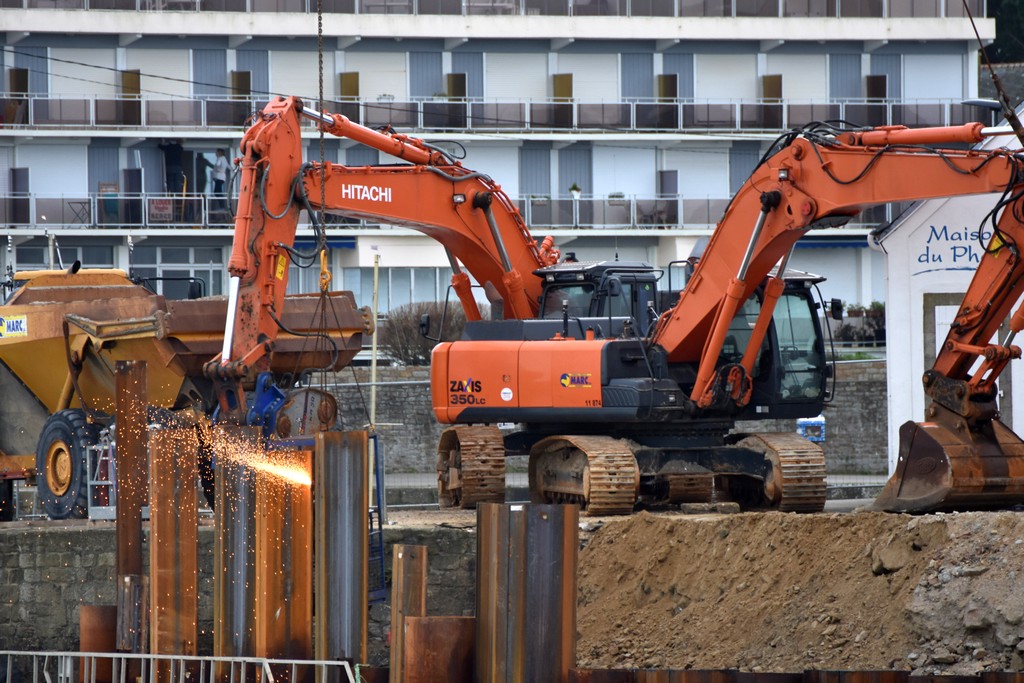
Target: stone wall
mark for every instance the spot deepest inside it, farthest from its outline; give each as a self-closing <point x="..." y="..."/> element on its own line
<point x="856" y="431"/>
<point x="48" y="570"/>
<point x="857" y="420"/>
<point x="405" y="421"/>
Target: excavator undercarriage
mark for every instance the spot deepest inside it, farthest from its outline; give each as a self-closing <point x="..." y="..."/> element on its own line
<point x="613" y="476"/>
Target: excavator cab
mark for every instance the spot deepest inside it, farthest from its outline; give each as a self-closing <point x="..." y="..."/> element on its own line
<point x="792" y="372"/>
<point x="604" y="293"/>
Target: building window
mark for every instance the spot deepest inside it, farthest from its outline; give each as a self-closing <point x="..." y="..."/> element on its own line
<point x="360" y="282"/>
<point x="305" y="280"/>
<point x="172" y="271"/>
<point x="399" y="286"/>
<point x="424" y="284"/>
<point x="37" y="257"/>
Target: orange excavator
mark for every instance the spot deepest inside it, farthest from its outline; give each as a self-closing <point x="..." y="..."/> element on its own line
<point x="276" y="185"/>
<point x="624" y="395"/>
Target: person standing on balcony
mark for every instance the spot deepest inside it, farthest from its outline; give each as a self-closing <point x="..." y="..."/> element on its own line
<point x="174" y="175"/>
<point x="202" y="164"/>
<point x="220" y="176"/>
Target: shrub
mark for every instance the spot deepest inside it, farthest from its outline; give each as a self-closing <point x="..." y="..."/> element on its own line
<point x="400" y="337"/>
<point x="849" y="333"/>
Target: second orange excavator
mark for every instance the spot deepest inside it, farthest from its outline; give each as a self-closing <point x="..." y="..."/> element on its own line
<point x="626" y="396"/>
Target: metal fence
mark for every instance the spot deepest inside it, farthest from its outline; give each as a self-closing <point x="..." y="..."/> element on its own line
<point x="92" y="667"/>
<point x="577" y="8"/>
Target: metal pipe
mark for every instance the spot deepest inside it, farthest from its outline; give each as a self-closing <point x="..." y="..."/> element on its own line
<point x="373" y="374"/>
<point x="748" y="254"/>
<point x="234" y="577"/>
<point x="482" y="201"/>
<point x="284" y="556"/>
<point x="452" y="261"/>
<point x="317" y="116"/>
<point x="173" y="546"/>
<point x="1016" y="325"/>
<point x="994" y="131"/>
<point x="769" y="200"/>
<point x="461" y="284"/>
<point x="373" y="342"/>
<point x="408" y="599"/>
<point x="784" y="263"/>
<point x="341" y="545"/>
<point x="397" y="145"/>
<point x="526" y="559"/>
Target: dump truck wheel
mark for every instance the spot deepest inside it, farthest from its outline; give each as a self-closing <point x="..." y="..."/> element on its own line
<point x="62" y="464"/>
<point x="6" y="500"/>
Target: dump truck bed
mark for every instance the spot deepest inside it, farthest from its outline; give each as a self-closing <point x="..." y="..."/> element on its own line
<point x="93" y="319"/>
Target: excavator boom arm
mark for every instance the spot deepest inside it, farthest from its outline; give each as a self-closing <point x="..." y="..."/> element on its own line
<point x="816" y="182"/>
<point x="962" y="456"/>
<point x="465" y="211"/>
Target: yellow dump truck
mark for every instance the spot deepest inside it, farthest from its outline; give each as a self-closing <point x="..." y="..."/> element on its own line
<point x="62" y="334"/>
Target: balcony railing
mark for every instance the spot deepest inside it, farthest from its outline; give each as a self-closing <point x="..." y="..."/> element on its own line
<point x="120" y="211"/>
<point x="578" y="8"/>
<point x="469" y="115"/>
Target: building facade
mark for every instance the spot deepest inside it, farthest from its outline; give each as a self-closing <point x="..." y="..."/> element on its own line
<point x="657" y="110"/>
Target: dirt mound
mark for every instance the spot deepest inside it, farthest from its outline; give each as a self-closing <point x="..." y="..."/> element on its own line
<point x="937" y="594"/>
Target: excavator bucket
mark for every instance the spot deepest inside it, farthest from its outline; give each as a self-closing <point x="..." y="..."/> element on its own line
<point x="950" y="467"/>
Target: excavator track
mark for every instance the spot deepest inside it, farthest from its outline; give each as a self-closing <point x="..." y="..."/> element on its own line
<point x="689" y="487"/>
<point x="597" y="472"/>
<point x="470" y="467"/>
<point x="798" y="471"/>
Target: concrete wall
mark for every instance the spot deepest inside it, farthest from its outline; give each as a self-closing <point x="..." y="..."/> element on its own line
<point x="48" y="570"/>
<point x="856" y="420"/>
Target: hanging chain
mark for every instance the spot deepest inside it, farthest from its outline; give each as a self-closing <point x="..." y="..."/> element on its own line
<point x="320" y="107"/>
<point x="325" y="272"/>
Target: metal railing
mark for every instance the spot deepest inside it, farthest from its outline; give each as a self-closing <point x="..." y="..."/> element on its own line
<point x="92" y="667"/>
<point x="577" y="8"/>
<point x="115" y="211"/>
<point x="158" y="114"/>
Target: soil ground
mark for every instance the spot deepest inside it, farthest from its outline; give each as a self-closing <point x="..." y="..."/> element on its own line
<point x="935" y="594"/>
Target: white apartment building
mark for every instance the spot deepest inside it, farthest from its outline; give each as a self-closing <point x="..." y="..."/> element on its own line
<point x="657" y="110"/>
